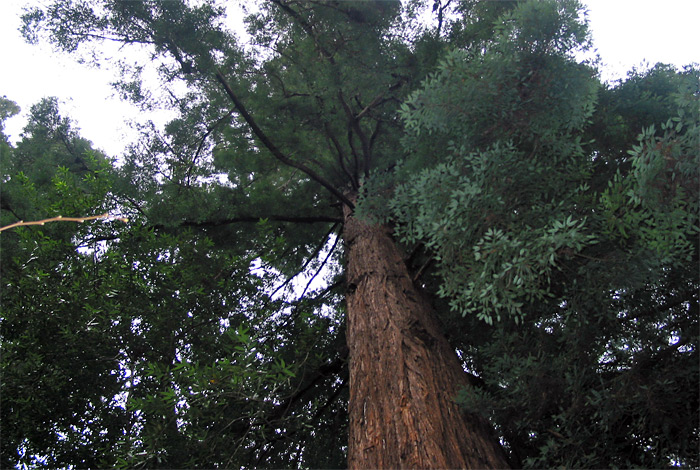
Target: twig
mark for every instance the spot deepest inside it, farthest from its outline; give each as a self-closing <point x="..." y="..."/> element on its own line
<point x="60" y="218"/>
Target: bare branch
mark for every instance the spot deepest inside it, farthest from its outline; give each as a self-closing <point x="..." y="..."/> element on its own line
<point x="323" y="264"/>
<point x="306" y="264"/>
<point x="376" y="101"/>
<point x="60" y="218"/>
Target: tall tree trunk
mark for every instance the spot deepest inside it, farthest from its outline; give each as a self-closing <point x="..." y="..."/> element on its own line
<point x="404" y="375"/>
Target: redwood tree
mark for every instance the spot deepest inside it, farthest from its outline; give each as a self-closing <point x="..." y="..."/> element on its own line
<point x="441" y="173"/>
<point x="306" y="120"/>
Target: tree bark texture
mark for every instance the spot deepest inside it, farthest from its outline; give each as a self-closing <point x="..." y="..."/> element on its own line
<point x="404" y="376"/>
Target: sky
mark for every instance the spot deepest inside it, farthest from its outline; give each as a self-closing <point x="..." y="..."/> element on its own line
<point x="626" y="34"/>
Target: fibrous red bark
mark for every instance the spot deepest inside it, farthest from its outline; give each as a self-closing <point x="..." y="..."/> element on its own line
<point x="404" y="376"/>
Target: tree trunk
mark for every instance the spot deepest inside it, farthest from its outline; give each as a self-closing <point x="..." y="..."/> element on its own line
<point x="404" y="375"/>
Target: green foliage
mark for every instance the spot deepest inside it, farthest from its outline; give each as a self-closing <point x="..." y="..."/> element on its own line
<point x="581" y="257"/>
<point x="498" y="201"/>
<point x="662" y="188"/>
<point x="8" y="108"/>
<point x="140" y="347"/>
<point x="58" y="366"/>
<point x="588" y="388"/>
<point x="553" y="221"/>
<point x="467" y="212"/>
<point x="644" y="99"/>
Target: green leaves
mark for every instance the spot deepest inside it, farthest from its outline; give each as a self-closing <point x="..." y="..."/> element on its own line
<point x="563" y="247"/>
<point x="514" y="88"/>
<point x="655" y="207"/>
<point x="497" y="231"/>
<point x="499" y="171"/>
<point x="559" y="250"/>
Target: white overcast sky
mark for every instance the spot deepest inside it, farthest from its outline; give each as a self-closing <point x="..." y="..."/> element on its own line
<point x="626" y="33"/>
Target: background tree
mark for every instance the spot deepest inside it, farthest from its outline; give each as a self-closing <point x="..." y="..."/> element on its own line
<point x="56" y="359"/>
<point x="574" y="234"/>
<point x="561" y="266"/>
<point x="132" y="346"/>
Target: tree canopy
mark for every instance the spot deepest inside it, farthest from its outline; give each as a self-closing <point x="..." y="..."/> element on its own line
<point x="549" y="219"/>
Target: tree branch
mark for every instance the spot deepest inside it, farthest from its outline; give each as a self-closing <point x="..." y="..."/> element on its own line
<point x="323" y="264"/>
<point x="333" y="367"/>
<point x="354" y="122"/>
<point x="210" y="129"/>
<point x="306" y="27"/>
<point x="60" y="218"/>
<point x="376" y="101"/>
<point x="255" y="219"/>
<point x="273" y="148"/>
<point x="353" y="151"/>
<point x="341" y="156"/>
<point x="306" y="264"/>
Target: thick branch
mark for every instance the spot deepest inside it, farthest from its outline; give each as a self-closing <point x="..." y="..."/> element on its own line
<point x="273" y="148"/>
<point x="355" y="124"/>
<point x="341" y="155"/>
<point x="375" y="134"/>
<point x="353" y="151"/>
<point x="255" y="219"/>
